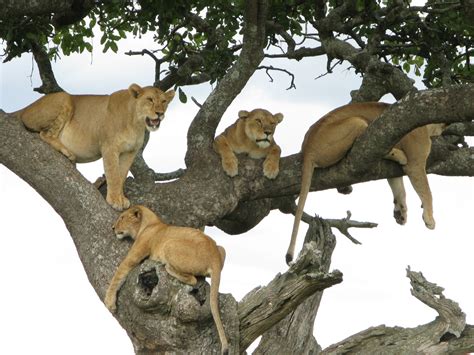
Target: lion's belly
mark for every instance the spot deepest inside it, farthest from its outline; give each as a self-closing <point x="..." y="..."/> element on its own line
<point x="84" y="145"/>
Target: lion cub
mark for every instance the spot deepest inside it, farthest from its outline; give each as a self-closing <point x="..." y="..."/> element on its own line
<point x="185" y="252"/>
<point x="87" y="127"/>
<point x="252" y="134"/>
<point x="329" y="139"/>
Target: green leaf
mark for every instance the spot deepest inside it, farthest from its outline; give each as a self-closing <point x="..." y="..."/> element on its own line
<point x="182" y="96"/>
<point x="406" y="67"/>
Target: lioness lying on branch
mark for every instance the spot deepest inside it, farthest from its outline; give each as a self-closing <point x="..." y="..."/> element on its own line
<point x="329" y="139"/>
<point x="185" y="252"/>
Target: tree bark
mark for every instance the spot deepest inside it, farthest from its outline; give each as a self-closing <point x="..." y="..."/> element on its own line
<point x="447" y="334"/>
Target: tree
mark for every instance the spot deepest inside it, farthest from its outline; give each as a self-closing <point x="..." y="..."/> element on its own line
<point x="224" y="43"/>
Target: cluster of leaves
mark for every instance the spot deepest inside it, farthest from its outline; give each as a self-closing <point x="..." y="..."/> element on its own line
<point x="415" y="38"/>
<point x="423" y="39"/>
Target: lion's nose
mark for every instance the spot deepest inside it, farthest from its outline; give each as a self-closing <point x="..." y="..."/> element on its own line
<point x="268" y="133"/>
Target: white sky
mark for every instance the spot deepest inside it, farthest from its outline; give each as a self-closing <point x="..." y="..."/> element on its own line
<point x="48" y="307"/>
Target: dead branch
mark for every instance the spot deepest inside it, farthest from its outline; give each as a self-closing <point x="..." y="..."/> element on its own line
<point x="267" y="71"/>
<point x="446" y="333"/>
<point x="263" y="307"/>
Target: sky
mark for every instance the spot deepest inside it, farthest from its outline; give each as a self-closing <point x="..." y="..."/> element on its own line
<point x="47" y="305"/>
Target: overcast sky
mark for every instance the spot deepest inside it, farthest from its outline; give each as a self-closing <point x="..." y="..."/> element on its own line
<point x="47" y="305"/>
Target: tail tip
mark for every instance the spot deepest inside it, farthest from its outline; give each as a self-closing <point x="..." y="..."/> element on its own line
<point x="289" y="258"/>
<point x="225" y="351"/>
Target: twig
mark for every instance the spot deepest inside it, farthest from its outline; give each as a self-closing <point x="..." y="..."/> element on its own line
<point x="157" y="60"/>
<point x="268" y="68"/>
<point x="198" y="104"/>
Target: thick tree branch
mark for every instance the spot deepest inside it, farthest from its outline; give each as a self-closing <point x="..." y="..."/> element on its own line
<point x="294" y="333"/>
<point x="202" y="130"/>
<point x="449" y="105"/>
<point x="70" y="194"/>
<point x="19" y="8"/>
<point x="45" y="70"/>
<point x="263" y="307"/>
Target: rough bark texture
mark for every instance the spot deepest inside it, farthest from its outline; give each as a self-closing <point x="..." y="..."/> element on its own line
<point x="294" y="334"/>
<point x="161" y="314"/>
<point x="447" y="334"/>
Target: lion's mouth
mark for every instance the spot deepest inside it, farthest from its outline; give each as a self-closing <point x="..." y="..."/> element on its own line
<point x="153" y="124"/>
<point x="263" y="143"/>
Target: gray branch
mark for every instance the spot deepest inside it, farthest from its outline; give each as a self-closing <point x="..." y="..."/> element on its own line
<point x="263" y="307"/>
<point x="446" y="334"/>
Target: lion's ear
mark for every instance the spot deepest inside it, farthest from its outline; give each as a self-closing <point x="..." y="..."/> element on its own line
<point x="137" y="212"/>
<point x="243" y="114"/>
<point x="169" y="95"/>
<point x="135" y="90"/>
<point x="278" y="116"/>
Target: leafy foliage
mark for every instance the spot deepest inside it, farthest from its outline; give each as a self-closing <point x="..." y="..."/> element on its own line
<point x="198" y="40"/>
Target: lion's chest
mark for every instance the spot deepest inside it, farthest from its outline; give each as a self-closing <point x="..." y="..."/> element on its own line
<point x="130" y="141"/>
<point x="254" y="153"/>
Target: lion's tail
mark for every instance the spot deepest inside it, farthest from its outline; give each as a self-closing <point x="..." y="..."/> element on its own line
<point x="214" y="301"/>
<point x="307" y="174"/>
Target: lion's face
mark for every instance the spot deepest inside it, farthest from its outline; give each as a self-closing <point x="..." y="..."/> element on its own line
<point x="260" y="126"/>
<point x="128" y="224"/>
<point x="151" y="104"/>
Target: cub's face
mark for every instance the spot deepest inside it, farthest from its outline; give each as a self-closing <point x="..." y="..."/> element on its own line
<point x="128" y="223"/>
<point x="151" y="104"/>
<point x="260" y="126"/>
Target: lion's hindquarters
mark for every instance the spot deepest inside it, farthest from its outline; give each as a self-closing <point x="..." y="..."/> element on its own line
<point x="324" y="145"/>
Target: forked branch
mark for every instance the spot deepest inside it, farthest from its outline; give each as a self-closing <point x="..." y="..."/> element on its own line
<point x="265" y="306"/>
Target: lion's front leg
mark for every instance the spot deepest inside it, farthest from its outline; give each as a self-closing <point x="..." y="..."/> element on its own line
<point x="115" y="196"/>
<point x="271" y="165"/>
<point x="136" y="254"/>
<point x="230" y="163"/>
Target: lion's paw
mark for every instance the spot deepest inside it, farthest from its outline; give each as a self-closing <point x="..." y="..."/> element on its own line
<point x="68" y="155"/>
<point x="118" y="203"/>
<point x="270" y="169"/>
<point x="429" y="221"/>
<point x="231" y="166"/>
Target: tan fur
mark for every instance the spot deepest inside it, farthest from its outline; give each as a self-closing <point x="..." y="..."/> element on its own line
<point x="251" y="134"/>
<point x="185" y="252"/>
<point x="328" y="140"/>
<point x="87" y="127"/>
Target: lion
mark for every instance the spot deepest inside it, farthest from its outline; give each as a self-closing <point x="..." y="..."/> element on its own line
<point x="185" y="252"/>
<point x="328" y="140"/>
<point x="87" y="127"/>
<point x="251" y="134"/>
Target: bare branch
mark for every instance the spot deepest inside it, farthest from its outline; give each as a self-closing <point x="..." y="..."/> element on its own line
<point x="265" y="306"/>
<point x="447" y="332"/>
<point x="344" y="224"/>
<point x="268" y="68"/>
<point x="158" y="62"/>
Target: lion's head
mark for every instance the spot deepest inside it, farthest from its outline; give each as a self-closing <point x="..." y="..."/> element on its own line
<point x="151" y="104"/>
<point x="129" y="222"/>
<point x="260" y="125"/>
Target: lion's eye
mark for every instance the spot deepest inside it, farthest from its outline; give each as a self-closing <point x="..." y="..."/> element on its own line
<point x="163" y="101"/>
<point x="259" y="121"/>
<point x="149" y="99"/>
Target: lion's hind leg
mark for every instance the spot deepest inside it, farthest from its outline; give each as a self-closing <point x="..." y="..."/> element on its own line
<point x="48" y="116"/>
<point x="398" y="156"/>
<point x="183" y="277"/>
